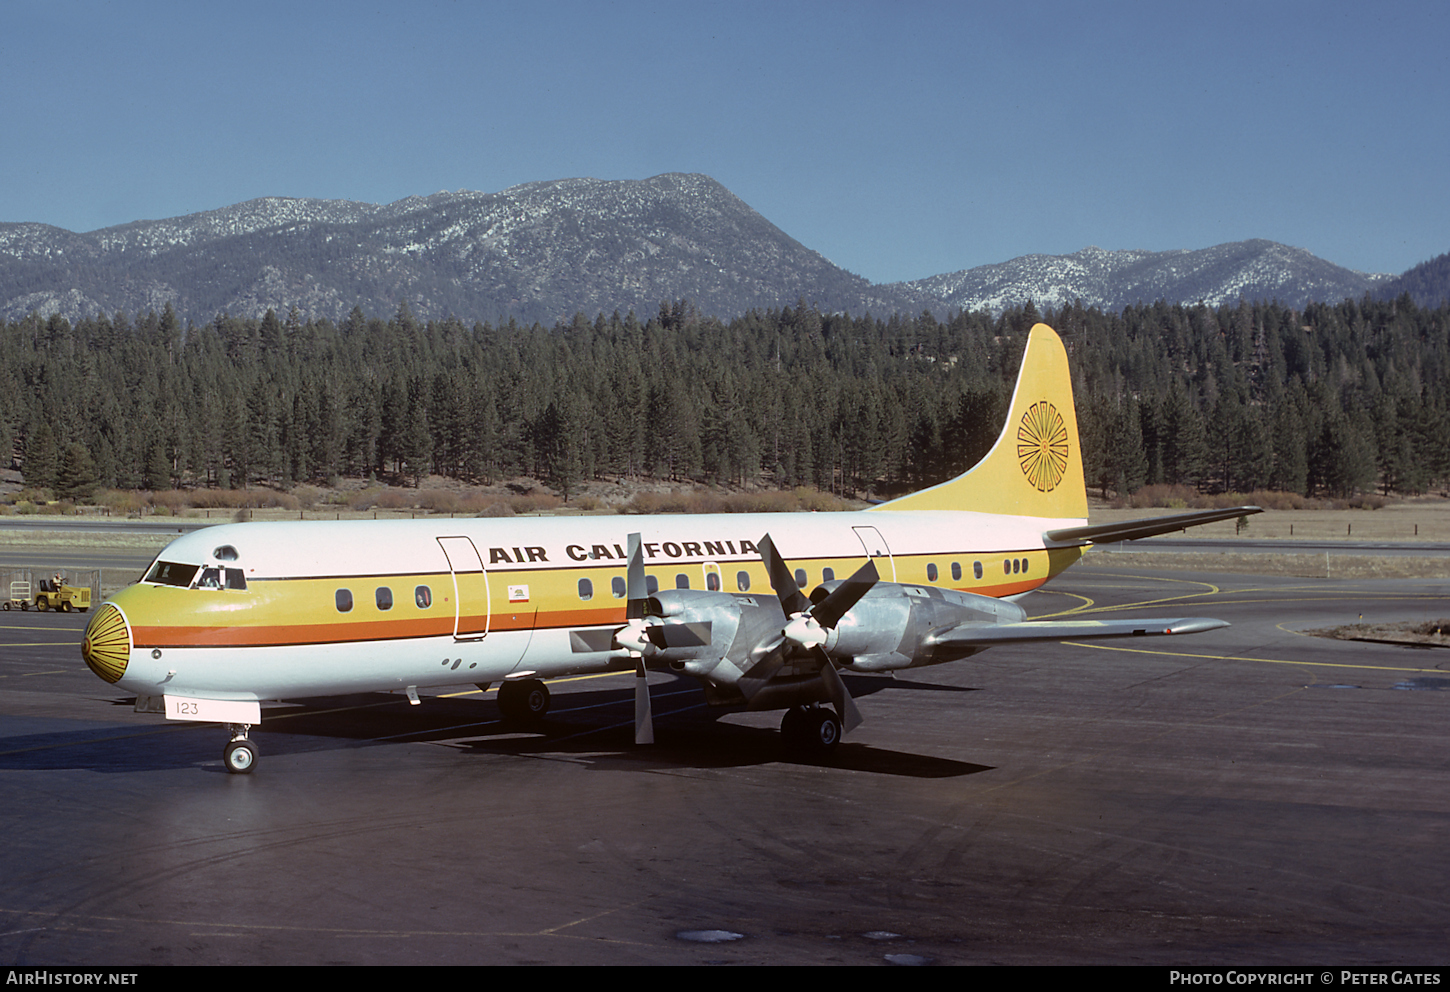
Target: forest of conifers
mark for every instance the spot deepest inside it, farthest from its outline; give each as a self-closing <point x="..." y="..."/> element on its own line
<point x="1330" y="400"/>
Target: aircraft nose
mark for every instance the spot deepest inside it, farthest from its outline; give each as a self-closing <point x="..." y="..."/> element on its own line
<point x="107" y="647"/>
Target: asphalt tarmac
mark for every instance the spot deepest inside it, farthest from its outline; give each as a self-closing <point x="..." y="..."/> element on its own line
<point x="1250" y="795"/>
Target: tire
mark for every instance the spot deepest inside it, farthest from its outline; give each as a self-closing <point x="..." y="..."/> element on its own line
<point x="815" y="731"/>
<point x="240" y="757"/>
<point x="42" y="604"/>
<point x="792" y="727"/>
<point x="825" y="731"/>
<point x="7" y="606"/>
<point x="524" y="702"/>
<point x="65" y="606"/>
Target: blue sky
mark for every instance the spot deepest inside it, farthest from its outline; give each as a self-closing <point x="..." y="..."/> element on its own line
<point x="899" y="139"/>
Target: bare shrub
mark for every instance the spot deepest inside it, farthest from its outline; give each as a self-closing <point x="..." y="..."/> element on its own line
<point x="439" y="500"/>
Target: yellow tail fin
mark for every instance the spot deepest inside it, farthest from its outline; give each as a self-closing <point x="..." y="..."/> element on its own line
<point x="1035" y="468"/>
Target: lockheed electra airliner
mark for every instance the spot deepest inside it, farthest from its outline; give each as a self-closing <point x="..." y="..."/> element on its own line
<point x="229" y="616"/>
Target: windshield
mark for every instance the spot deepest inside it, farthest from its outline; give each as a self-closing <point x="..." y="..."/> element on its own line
<point x="170" y="573"/>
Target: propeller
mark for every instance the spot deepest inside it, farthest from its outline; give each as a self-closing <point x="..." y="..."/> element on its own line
<point x="639" y="638"/>
<point x="808" y="627"/>
<point x="633" y="637"/>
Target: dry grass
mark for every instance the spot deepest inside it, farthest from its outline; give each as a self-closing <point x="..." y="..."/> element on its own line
<point x="1433" y="633"/>
<point x="1310" y="566"/>
<point x="1418" y="520"/>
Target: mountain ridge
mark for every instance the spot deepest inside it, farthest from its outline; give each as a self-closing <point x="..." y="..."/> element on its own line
<point x="546" y="250"/>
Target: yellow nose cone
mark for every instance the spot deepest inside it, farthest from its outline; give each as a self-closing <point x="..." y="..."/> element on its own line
<point x="107" y="646"/>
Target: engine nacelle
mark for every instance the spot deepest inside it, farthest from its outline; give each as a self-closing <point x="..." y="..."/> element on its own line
<point x="719" y="636"/>
<point x="891" y="626"/>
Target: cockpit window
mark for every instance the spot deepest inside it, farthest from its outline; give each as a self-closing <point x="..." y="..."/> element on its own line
<point x="225" y="553"/>
<point x="170" y="573"/>
<point x="216" y="577"/>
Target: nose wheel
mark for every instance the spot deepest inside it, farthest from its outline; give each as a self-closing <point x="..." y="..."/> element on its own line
<point x="240" y="754"/>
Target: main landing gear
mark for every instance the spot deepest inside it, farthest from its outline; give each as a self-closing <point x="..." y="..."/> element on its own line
<point x="813" y="730"/>
<point x="523" y="702"/>
<point x="240" y="755"/>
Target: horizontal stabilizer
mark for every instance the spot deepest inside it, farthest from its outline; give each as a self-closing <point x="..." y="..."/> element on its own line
<point x="988" y="634"/>
<point x="1131" y="530"/>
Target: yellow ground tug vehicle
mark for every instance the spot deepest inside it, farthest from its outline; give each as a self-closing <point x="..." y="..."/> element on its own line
<point x="56" y="595"/>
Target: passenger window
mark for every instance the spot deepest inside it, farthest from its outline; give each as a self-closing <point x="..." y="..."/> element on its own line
<point x="956" y="570"/>
<point x="617" y="586"/>
<point x="1024" y="566"/>
<point x="931" y="572"/>
<point x="423" y="596"/>
<point x="827" y="574"/>
<point x="586" y="589"/>
<point x="977" y="569"/>
<point x="651" y="584"/>
<point x="344" y="600"/>
<point x="1014" y="566"/>
<point x="742" y="581"/>
<point x="384" y="598"/>
<point x="1006" y="567"/>
<point x="682" y="581"/>
<point x="800" y="577"/>
<point x="712" y="581"/>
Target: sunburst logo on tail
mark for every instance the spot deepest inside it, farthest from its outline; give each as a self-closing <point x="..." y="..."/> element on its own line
<point x="1042" y="446"/>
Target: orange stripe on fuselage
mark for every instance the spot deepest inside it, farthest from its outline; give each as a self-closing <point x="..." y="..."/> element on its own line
<point x="291" y="611"/>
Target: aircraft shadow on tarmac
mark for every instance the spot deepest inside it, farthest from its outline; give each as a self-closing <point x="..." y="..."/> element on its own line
<point x="594" y="724"/>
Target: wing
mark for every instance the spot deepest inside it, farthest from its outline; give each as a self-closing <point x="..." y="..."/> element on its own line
<point x="1131" y="530"/>
<point x="988" y="634"/>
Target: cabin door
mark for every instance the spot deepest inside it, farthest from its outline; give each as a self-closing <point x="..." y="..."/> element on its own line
<point x="875" y="546"/>
<point x="470" y="588"/>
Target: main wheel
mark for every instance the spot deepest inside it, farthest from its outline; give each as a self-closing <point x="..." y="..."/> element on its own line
<point x="523" y="702"/>
<point x="816" y="730"/>
<point x="793" y="727"/>
<point x="240" y="757"/>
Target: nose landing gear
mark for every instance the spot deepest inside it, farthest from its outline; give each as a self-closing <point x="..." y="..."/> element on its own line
<point x="240" y="754"/>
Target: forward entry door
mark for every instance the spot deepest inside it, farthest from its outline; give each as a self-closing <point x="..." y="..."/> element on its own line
<point x="470" y="588"/>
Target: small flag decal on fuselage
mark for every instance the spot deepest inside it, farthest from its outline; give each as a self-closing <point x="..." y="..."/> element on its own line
<point x="518" y="594"/>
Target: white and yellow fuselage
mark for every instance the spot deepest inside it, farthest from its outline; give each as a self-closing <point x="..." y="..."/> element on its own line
<point x="332" y="607"/>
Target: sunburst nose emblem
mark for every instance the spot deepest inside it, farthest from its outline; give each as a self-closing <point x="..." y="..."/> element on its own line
<point x="107" y="646"/>
<point x="1042" y="446"/>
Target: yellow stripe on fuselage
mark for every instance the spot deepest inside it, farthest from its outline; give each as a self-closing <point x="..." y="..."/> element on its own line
<point x="292" y="611"/>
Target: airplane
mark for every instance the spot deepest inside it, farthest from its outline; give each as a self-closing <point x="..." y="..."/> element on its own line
<point x="229" y="616"/>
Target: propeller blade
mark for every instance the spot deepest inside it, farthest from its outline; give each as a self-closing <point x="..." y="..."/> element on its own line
<point x="637" y="595"/>
<point x="644" y="724"/>
<point x="634" y="584"/>
<point x="840" y="698"/>
<point x="829" y="611"/>
<point x="787" y="590"/>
